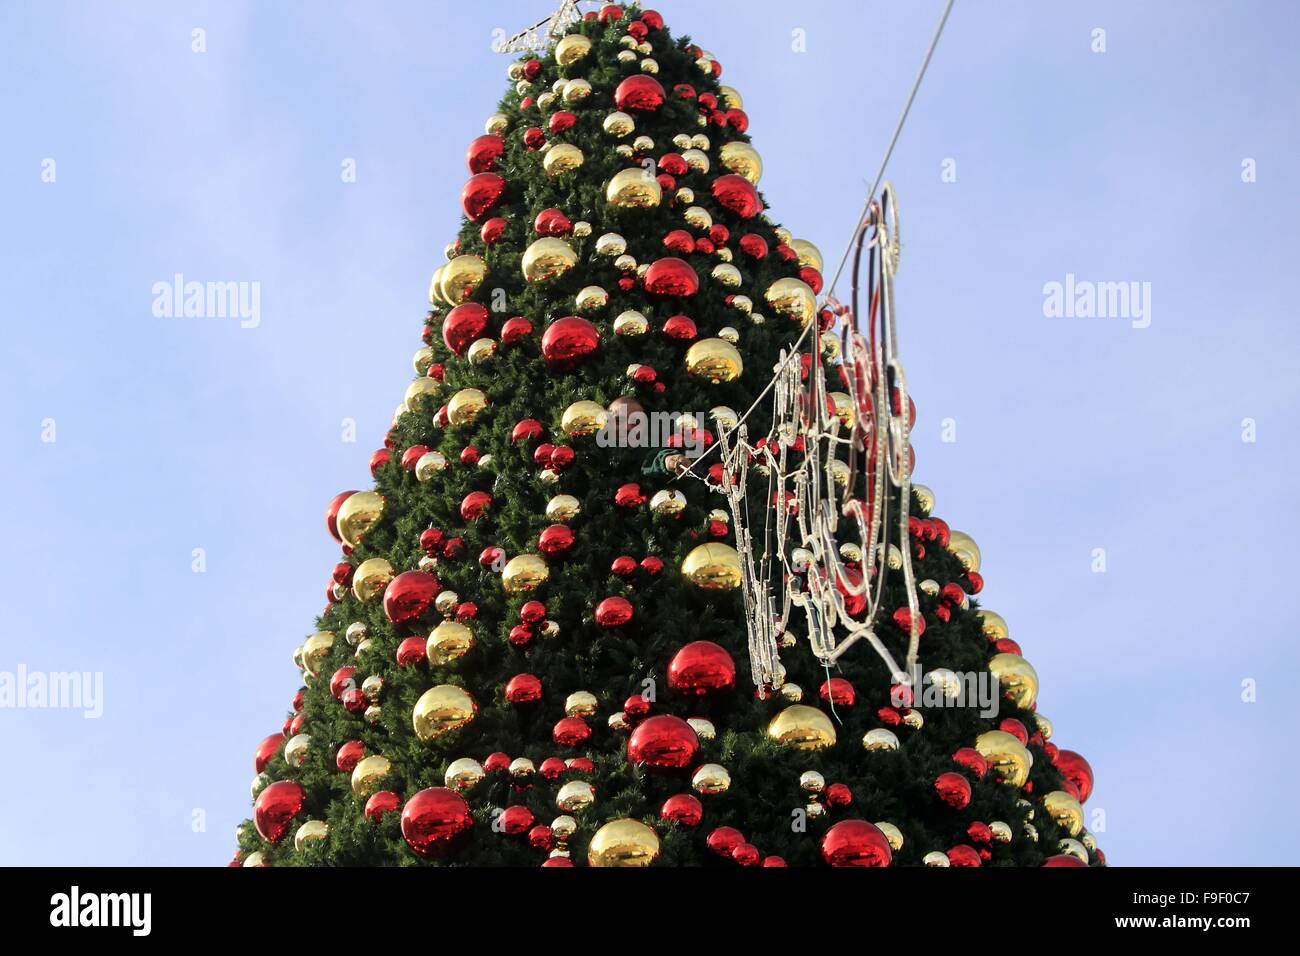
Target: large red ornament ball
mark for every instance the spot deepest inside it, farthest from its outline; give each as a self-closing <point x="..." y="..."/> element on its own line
<point x="672" y="276"/>
<point x="613" y="611"/>
<point x="463" y="324"/>
<point x="526" y="430"/>
<point x="275" y="808"/>
<point x="737" y="194"/>
<point x="953" y="789"/>
<point x="629" y="496"/>
<point x="409" y="595"/>
<point x="1077" y="770"/>
<point x="349" y="755"/>
<point x="434" y="820"/>
<point x="484" y="152"/>
<point x="568" y="341"/>
<point x="517" y="820"/>
<point x="663" y="743"/>
<point x="481" y="193"/>
<point x="639" y="93"/>
<point x="265" y="751"/>
<point x="381" y="802"/>
<point x="702" y="667"/>
<point x="856" y="843"/>
<point x="332" y="514"/>
<point x="683" y="808"/>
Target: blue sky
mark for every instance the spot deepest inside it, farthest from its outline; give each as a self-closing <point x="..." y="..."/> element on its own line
<point x="1072" y="434"/>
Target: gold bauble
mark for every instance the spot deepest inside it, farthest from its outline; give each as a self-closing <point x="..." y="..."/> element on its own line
<point x="844" y="408"/>
<point x="731" y="99"/>
<point x="936" y="858"/>
<point x="711" y="778"/>
<point x="880" y="738"/>
<point x="642" y="144"/>
<point x="714" y="360"/>
<point x="313" y="831"/>
<point x="581" y="703"/>
<point x="314" y="650"/>
<point x="618" y="124"/>
<point x="547" y="258"/>
<point x="669" y="502"/>
<point x="370" y="578"/>
<point x="925" y="496"/>
<point x="562" y="158"/>
<point x="435" y="287"/>
<point x="725" y="416"/>
<point x="583" y="418"/>
<point x="496" y="124"/>
<point x="1044" y="726"/>
<point x="697" y="217"/>
<point x="697" y="160"/>
<point x="524" y="572"/>
<point x="713" y="566"/>
<point x="575" y="795"/>
<point x="803" y="728"/>
<point x="1006" y="755"/>
<point x="726" y="275"/>
<point x="742" y="159"/>
<point x="742" y="303"/>
<point x="964" y="547"/>
<point x="461" y="278"/>
<point x="703" y="728"/>
<point x="892" y="834"/>
<point x="625" y="842"/>
<point x="463" y="774"/>
<point x="633" y="188"/>
<point x="840" y="473"/>
<point x="994" y="624"/>
<point x="465" y="406"/>
<point x="480" y="350"/>
<point x="296" y="750"/>
<point x="575" y="91"/>
<point x="809" y="255"/>
<point x="1073" y="848"/>
<point x="729" y="334"/>
<point x="793" y="298"/>
<point x="1065" y="810"/>
<point x="358" y="514"/>
<point x="441" y="710"/>
<point x="590" y="298"/>
<point x="1001" y="831"/>
<point x="611" y="244"/>
<point x="571" y="49"/>
<point x="430" y="463"/>
<point x="367" y="774"/>
<point x="563" y="508"/>
<point x="422" y="359"/>
<point x="448" y="643"/>
<point x="914" y="720"/>
<point x="830" y="346"/>
<point x="1018" y="678"/>
<point x="418" y="390"/>
<point x="631" y="322"/>
<point x="446" y="601"/>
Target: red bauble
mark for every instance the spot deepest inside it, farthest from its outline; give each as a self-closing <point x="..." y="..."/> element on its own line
<point x="555" y="540"/>
<point x="570" y="732"/>
<point x="551" y="862"/>
<point x="1015" y="728"/>
<point x="474" y="505"/>
<point x="746" y="854"/>
<point x="737" y="120"/>
<point x="534" y="137"/>
<point x="381" y="802"/>
<point x="613" y="612"/>
<point x="639" y="93"/>
<point x="492" y="557"/>
<point x="854" y="604"/>
<point x="526" y="430"/>
<point x="341" y="681"/>
<point x="275" y="808"/>
<point x="636" y="707"/>
<point x="701" y="667"/>
<point x="838" y="795"/>
<point x="532" y="612"/>
<point x="542" y="455"/>
<point x="521" y="635"/>
<point x="580" y="765"/>
<point x="624" y="566"/>
<point x="516" y="820"/>
<point x="296" y="724"/>
<point x="972" y="760"/>
<point x="266" y="750"/>
<point x="980" y="832"/>
<point x="492" y="230"/>
<point x="466" y="611"/>
<point x="1063" y="859"/>
<point x="354" y="700"/>
<point x="551" y="768"/>
<point x="332" y="514"/>
<point x="680" y="241"/>
<point x="378" y="460"/>
<point x="552" y="222"/>
<point x="651" y="565"/>
<point x="683" y="808"/>
<point x="524" y="689"/>
<point x="629" y="496"/>
<point x="481" y="193"/>
<point x="963" y="855"/>
<point x="903" y="621"/>
<point x="515" y="329"/>
<point x="412" y="455"/>
<point x="568" y="341"/>
<point x="434" y="820"/>
<point x="349" y="755"/>
<point x="812" y="278"/>
<point x="838" y="691"/>
<point x="953" y="789"/>
<point x="680" y="328"/>
<point x="653" y="19"/>
<point x="409" y="595"/>
<point x="1077" y="770"/>
<point x="663" y="743"/>
<point x="1006" y="645"/>
<point x="497" y="762"/>
<point x="484" y="152"/>
<point x="674" y="165"/>
<point x="722" y="840"/>
<point x="856" y="843"/>
<point x="672" y="276"/>
<point x="560" y="121"/>
<point x="737" y="194"/>
<point x="463" y="324"/>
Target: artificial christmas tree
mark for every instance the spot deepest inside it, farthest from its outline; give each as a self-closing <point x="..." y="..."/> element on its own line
<point x="536" y="650"/>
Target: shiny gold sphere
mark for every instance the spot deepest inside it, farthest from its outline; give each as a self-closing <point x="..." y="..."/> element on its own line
<point x="631" y="322"/>
<point x="668" y="501"/>
<point x="590" y="298"/>
<point x="461" y="278"/>
<point x="562" y="158"/>
<point x="435" y="288"/>
<point x="480" y="350"/>
<point x="465" y="406"/>
<point x="463" y="774"/>
<point x="879" y="738"/>
<point x="1018" y="678"/>
<point x="713" y="567"/>
<point x="1006" y="755"/>
<point x="995" y="625"/>
<point x="742" y="159"/>
<point x="575" y="91"/>
<point x="633" y="188"/>
<point x="611" y="244"/>
<point x="731" y="98"/>
<point x="581" y="703"/>
<point x="430" y="463"/>
<point x="1044" y="725"/>
<point x="1073" y="848"/>
<point x="925" y="496"/>
<point x="370" y="578"/>
<point x="625" y="842"/>
<point x="524" y="572"/>
<point x="448" y="643"/>
<point x="967" y="551"/>
<point x="619" y="124"/>
<point x="575" y="795"/>
<point x="703" y="728"/>
<point x="442" y="709"/>
<point x="358" y="514"/>
<point x="892" y="834"/>
<point x="1065" y="810"/>
<point x="711" y="778"/>
<point x="936" y="859"/>
<point x="714" y="360"/>
<point x="697" y="160"/>
<point x="844" y="408"/>
<point x="496" y="124"/>
<point x="726" y="275"/>
<point x="792" y="298"/>
<point x="563" y="508"/>
<point x="368" y="773"/>
<point x="809" y="255"/>
<point x="583" y="418"/>
<point x="803" y="728"/>
<point x="571" y="49"/>
<point x="297" y="749"/>
<point x="312" y="831"/>
<point x="1001" y="831"/>
<point x="697" y="217"/>
<point x="548" y="258"/>
<point x="422" y="360"/>
<point x="725" y="416"/>
<point x="419" y="390"/>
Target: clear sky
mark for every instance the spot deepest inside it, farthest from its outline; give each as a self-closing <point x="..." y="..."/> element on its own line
<point x="1071" y="433"/>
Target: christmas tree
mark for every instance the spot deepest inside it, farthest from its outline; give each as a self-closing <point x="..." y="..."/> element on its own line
<point x="537" y="648"/>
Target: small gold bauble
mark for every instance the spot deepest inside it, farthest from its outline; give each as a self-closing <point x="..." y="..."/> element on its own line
<point x="1018" y="678"/>
<point x="370" y="578"/>
<point x="742" y="303"/>
<point x="812" y="782"/>
<point x="843" y="408"/>
<point x="446" y="601"/>
<point x="913" y="719"/>
<point x="703" y="728"/>
<point x="563" y="508"/>
<point x="583" y="418"/>
<point x="631" y="322"/>
<point x="1065" y="810"/>
<point x="711" y="778"/>
<point x="1044" y="725"/>
<point x="994" y="624"/>
<point x="713" y="567"/>
<point x="480" y="350"/>
<point x="521" y="768"/>
<point x="313" y="831"/>
<point x="548" y="258"/>
<point x="524" y="572"/>
<point x="726" y="275"/>
<point x="697" y="217"/>
<point x="925" y="496"/>
<point x="714" y="360"/>
<point x="697" y="160"/>
<point x="880" y="738"/>
<point x="575" y="91"/>
<point x="619" y="124"/>
<point x="580" y="703"/>
<point x="840" y="473"/>
<point x="803" y="728"/>
<point x="430" y="463"/>
<point x="448" y="643"/>
<point x="368" y="773"/>
<point x="725" y="416"/>
<point x="964" y="547"/>
<point x="442" y="709"/>
<point x="1001" y="831"/>
<point x="668" y="502"/>
<point x="741" y="159"/>
<point x="296" y="750"/>
<point x="465" y="406"/>
<point x="419" y="390"/>
<point x="642" y="144"/>
<point x="625" y="842"/>
<point x="590" y="298"/>
<point x="463" y="774"/>
<point x="461" y="277"/>
<point x="611" y="244"/>
<point x="1073" y="848"/>
<point x="792" y="693"/>
<point x="731" y="99"/>
<point x="582" y="229"/>
<point x="496" y="124"/>
<point x="359" y="513"/>
<point x="575" y="795"/>
<point x="571" y="49"/>
<point x="1006" y="755"/>
<point x="562" y="158"/>
<point x="809" y="255"/>
<point x="936" y="858"/>
<point x="892" y="834"/>
<point x="422" y="360"/>
<point x="633" y="188"/>
<point x="793" y="298"/>
<point x="650" y="65"/>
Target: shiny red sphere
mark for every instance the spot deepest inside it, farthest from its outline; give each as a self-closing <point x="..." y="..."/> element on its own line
<point x="613" y="612"/>
<point x="332" y="514"/>
<point x="680" y="328"/>
<point x="672" y="276"/>
<point x="552" y="222"/>
<point x="524" y="689"/>
<point x="683" y="808"/>
<point x="514" y="329"/>
<point x="838" y="691"/>
<point x="702" y="667"/>
<point x="623" y="566"/>
<point x="526" y="430"/>
<point x="484" y="152"/>
<point x="275" y="808"/>
<point x="972" y="760"/>
<point x="517" y="820"/>
<point x="463" y="325"/>
<point x="349" y="755"/>
<point x="492" y="230"/>
<point x="474" y="505"/>
<point x="569" y="340"/>
<point x="746" y="854"/>
<point x="629" y="496"/>
<point x="570" y="732"/>
<point x="381" y="802"/>
<point x="738" y="195"/>
<point x="963" y="855"/>
<point x="434" y="820"/>
<point x="341" y="681"/>
<point x="1063" y="859"/>
<point x="855" y="843"/>
<point x="838" y="795"/>
<point x="532" y="612"/>
<point x="409" y="595"/>
<point x="953" y="789"/>
<point x="1077" y="770"/>
<point x="555" y="540"/>
<point x="663" y="743"/>
<point x="481" y="193"/>
<point x="266" y="750"/>
<point x="640" y="94"/>
<point x="723" y="840"/>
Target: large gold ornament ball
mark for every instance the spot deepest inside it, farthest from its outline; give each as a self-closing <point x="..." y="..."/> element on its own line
<point x="524" y="572"/>
<point x="714" y="360"/>
<point x="792" y="298"/>
<point x="892" y="834"/>
<point x="442" y="709"/>
<point x="809" y="255"/>
<point x="314" y="651"/>
<point x="368" y="773"/>
<point x="966" y="550"/>
<point x="742" y="159"/>
<point x="994" y="624"/>
<point x="619" y="124"/>
<point x="571" y="49"/>
<point x="1065" y="810"/>
<point x="448" y="643"/>
<point x="1018" y="678"/>
<point x="1006" y="755"/>
<point x="583" y="418"/>
<point x="461" y="277"/>
<point x="562" y="158"/>
<point x="713" y="567"/>
<point x="370" y="578"/>
<point x="548" y="258"/>
<point x="633" y="188"/>
<point x="417" y="391"/>
<point x="465" y="406"/>
<point x="358" y="514"/>
<point x="625" y="842"/>
<point x="803" y="728"/>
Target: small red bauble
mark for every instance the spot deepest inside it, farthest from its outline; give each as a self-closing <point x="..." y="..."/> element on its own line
<point x="1015" y="728"/>
<point x="474" y="505"/>
<point x="481" y="193"/>
<point x="542" y="455"/>
<point x="469" y="455"/>
<point x="1006" y="645"/>
<point x="541" y="838"/>
<point x="963" y="855"/>
<point x="776" y="861"/>
<point x="855" y="843"/>
<point x="532" y="612"/>
<point x="275" y="808"/>
<point x="296" y="724"/>
<point x="737" y="120"/>
<point x="412" y="455"/>
<point x="580" y="765"/>
<point x="466" y="611"/>
<point x="570" y="731"/>
<point x="623" y="566"/>
<point x="555" y="540"/>
<point x="903" y="621"/>
<point x="381" y="802"/>
<point x="341" y="681"/>
<point x="551" y="768"/>
<point x="552" y="222"/>
<point x="526" y="430"/>
<point x="722" y="840"/>
<point x="680" y="328"/>
<point x="354" y="700"/>
<point x="639" y="93"/>
<point x="409" y="595"/>
<point x="1063" y="859"/>
<point x="979" y="832"/>
<point x="332" y="514"/>
<point x="629" y="496"/>
<point x="491" y="556"/>
<point x="672" y="276"/>
<point x="534" y="137"/>
<point x="953" y="789"/>
<point x="524" y="689"/>
<point x="613" y="612"/>
<point x="663" y="743"/>
<point x="702" y="667"/>
<point x="746" y="854"/>
<point x="838" y="795"/>
<point x="515" y="329"/>
<point x="497" y="762"/>
<point x="521" y="635"/>
<point x="652" y="19"/>
<point x="680" y="241"/>
<point x="568" y="341"/>
<point x="738" y="195"/>
<point x="1077" y="770"/>
<point x="683" y="808"/>
<point x="463" y="325"/>
<point x="560" y="121"/>
<point x="636" y="707"/>
<point x="484" y="152"/>
<point x="492" y="230"/>
<point x="265" y="751"/>
<point x="411" y="652"/>
<point x="552" y="862"/>
<point x="972" y="760"/>
<point x="838" y="691"/>
<point x="378" y="460"/>
<point x="431" y="539"/>
<point x="673" y="165"/>
<point x="516" y="820"/>
<point x="651" y="565"/>
<point x="433" y="821"/>
<point x="349" y="755"/>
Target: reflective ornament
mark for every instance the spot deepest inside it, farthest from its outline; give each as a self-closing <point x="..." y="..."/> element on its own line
<point x="966" y="550"/>
<point x="700" y="668"/>
<point x="1066" y="811"/>
<point x="714" y="360"/>
<point x="429" y="464"/>
<point x="419" y="389"/>
<point x="809" y="256"/>
<point x="583" y="418"/>
<point x="994" y="625"/>
<point x="856" y="843"/>
<point x="569" y="340"/>
<point x="631" y="323"/>
<point x="461" y="278"/>
<point x="434" y="821"/>
<point x="359" y="513"/>
<point x="668" y="502"/>
<point x="563" y="508"/>
<point x="639" y="94"/>
<point x="575" y="91"/>
<point x="611" y="244"/>
<point x="713" y="567"/>
<point x="1006" y="755"/>
<point x="465" y="406"/>
<point x="275" y="808"/>
<point x="725" y="417"/>
<point x="480" y="350"/>
<point x="663" y="743"/>
<point x="703" y="728"/>
<point x="1077" y="770"/>
<point x="524" y="572"/>
<point x="562" y="158"/>
<point x="315" y="650"/>
<point x="575" y="795"/>
<point x="371" y="578"/>
<point x="671" y="277"/>
<point x="571" y="49"/>
<point x="926" y="498"/>
<point x="481" y="193"/>
<point x="548" y="258"/>
<point x="936" y="859"/>
<point x="409" y="595"/>
<point x="633" y="188"/>
<point x="892" y="834"/>
<point x="448" y="643"/>
<point x="624" y="842"/>
<point x="737" y="195"/>
<point x="742" y="159"/>
<point x="618" y="124"/>
<point x="1017" y="677"/>
<point x="313" y="831"/>
<point x="368" y="773"/>
<point x="297" y="749"/>
<point x="463" y="774"/>
<point x="442" y="709"/>
<point x="803" y="728"/>
<point x="792" y="298"/>
<point x="711" y="778"/>
<point x="683" y="808"/>
<point x="591" y="298"/>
